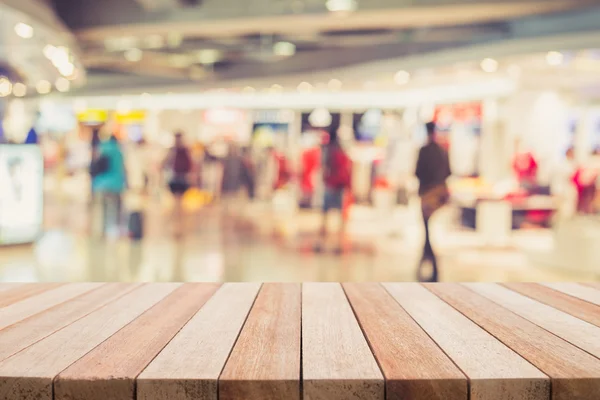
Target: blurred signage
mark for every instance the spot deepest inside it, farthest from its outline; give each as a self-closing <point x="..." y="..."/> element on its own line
<point x="92" y="116"/>
<point x="274" y="116"/>
<point x="21" y="197"/>
<point x="135" y="117"/>
<point x="222" y="116"/>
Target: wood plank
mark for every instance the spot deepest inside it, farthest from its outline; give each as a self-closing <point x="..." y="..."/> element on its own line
<point x="33" y="329"/>
<point x="18" y="293"/>
<point x="28" y="375"/>
<point x="337" y="363"/>
<point x="581" y="292"/>
<point x="413" y="365"/>
<point x="188" y="368"/>
<point x="10" y="285"/>
<point x="578" y="332"/>
<point x="594" y="285"/>
<point x="495" y="372"/>
<point x="109" y="371"/>
<point x="265" y="362"/>
<point x="26" y="308"/>
<point x="575" y="374"/>
<point x="577" y="308"/>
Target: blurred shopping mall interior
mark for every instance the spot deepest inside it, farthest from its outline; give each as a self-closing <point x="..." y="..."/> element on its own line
<point x="220" y="115"/>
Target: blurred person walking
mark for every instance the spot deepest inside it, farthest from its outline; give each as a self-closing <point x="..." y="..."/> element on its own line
<point x="108" y="184"/>
<point x="433" y="169"/>
<point x="337" y="177"/>
<point x="233" y="174"/>
<point x="178" y="165"/>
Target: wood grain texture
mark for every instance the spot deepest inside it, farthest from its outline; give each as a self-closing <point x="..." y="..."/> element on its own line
<point x="577" y="290"/>
<point x="594" y="285"/>
<point x="33" y="329"/>
<point x="413" y="365"/>
<point x="188" y="368"/>
<point x="495" y="371"/>
<point x="18" y="293"/>
<point x="4" y="286"/>
<point x="561" y="301"/>
<point x="109" y="371"/>
<point x="575" y="374"/>
<point x="28" y="375"/>
<point x="578" y="332"/>
<point x="337" y="363"/>
<point x="26" y="308"/>
<point x="265" y="362"/>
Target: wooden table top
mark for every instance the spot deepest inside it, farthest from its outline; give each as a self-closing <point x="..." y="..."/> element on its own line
<point x="316" y="341"/>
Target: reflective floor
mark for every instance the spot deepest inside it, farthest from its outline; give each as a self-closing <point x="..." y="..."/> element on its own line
<point x="251" y="242"/>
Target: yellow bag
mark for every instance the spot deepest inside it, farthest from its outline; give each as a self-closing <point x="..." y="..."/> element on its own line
<point x="194" y="199"/>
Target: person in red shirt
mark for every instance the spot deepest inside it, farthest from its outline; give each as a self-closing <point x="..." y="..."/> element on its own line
<point x="337" y="176"/>
<point x="525" y="167"/>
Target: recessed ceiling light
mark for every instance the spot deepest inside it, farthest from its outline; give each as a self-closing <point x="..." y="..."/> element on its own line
<point x="19" y="89"/>
<point x="276" y="88"/>
<point x="489" y="65"/>
<point x="62" y="85"/>
<point x="49" y="51"/>
<point x="334" y="84"/>
<point x="208" y="56"/>
<point x="341" y="5"/>
<point x="123" y="106"/>
<point x="402" y="77"/>
<point x="5" y="86"/>
<point x="24" y="30"/>
<point x="43" y="87"/>
<point x="555" y="58"/>
<point x="133" y="55"/>
<point x="305" y="87"/>
<point x="284" y="49"/>
<point x="249" y="89"/>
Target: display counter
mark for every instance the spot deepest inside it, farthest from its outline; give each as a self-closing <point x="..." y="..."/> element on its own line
<point x="371" y="341"/>
<point x="21" y="193"/>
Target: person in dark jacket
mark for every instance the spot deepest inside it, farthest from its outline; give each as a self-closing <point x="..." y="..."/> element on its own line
<point x="433" y="168"/>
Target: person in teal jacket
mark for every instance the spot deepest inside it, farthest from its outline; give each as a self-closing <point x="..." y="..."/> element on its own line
<point x="108" y="186"/>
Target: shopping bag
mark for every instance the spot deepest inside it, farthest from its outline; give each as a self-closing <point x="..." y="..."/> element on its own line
<point x="194" y="199"/>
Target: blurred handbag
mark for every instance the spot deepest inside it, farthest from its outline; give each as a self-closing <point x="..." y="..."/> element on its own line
<point x="194" y="199"/>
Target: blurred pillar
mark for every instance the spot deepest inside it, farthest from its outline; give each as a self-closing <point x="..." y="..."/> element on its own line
<point x="540" y="119"/>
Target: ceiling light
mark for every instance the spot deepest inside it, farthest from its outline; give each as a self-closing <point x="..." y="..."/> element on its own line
<point x="49" y="51"/>
<point x="489" y="65"/>
<point x="276" y="88"/>
<point x="334" y="84"/>
<point x="154" y="41"/>
<point x="24" y="30"/>
<point x="305" y="87"/>
<point x="62" y="85"/>
<point x="43" y="87"/>
<point x="341" y="5"/>
<point x="5" y="87"/>
<point x="19" y="89"/>
<point x="133" y="55"/>
<point x="320" y="118"/>
<point x="284" y="49"/>
<point x="67" y="69"/>
<point x="402" y="77"/>
<point x="208" y="56"/>
<point x="555" y="58"/>
<point x="249" y="89"/>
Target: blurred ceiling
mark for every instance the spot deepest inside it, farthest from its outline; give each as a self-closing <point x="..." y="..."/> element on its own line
<point x="140" y="43"/>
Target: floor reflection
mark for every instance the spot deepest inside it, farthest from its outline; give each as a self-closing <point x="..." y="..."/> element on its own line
<point x="225" y="248"/>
